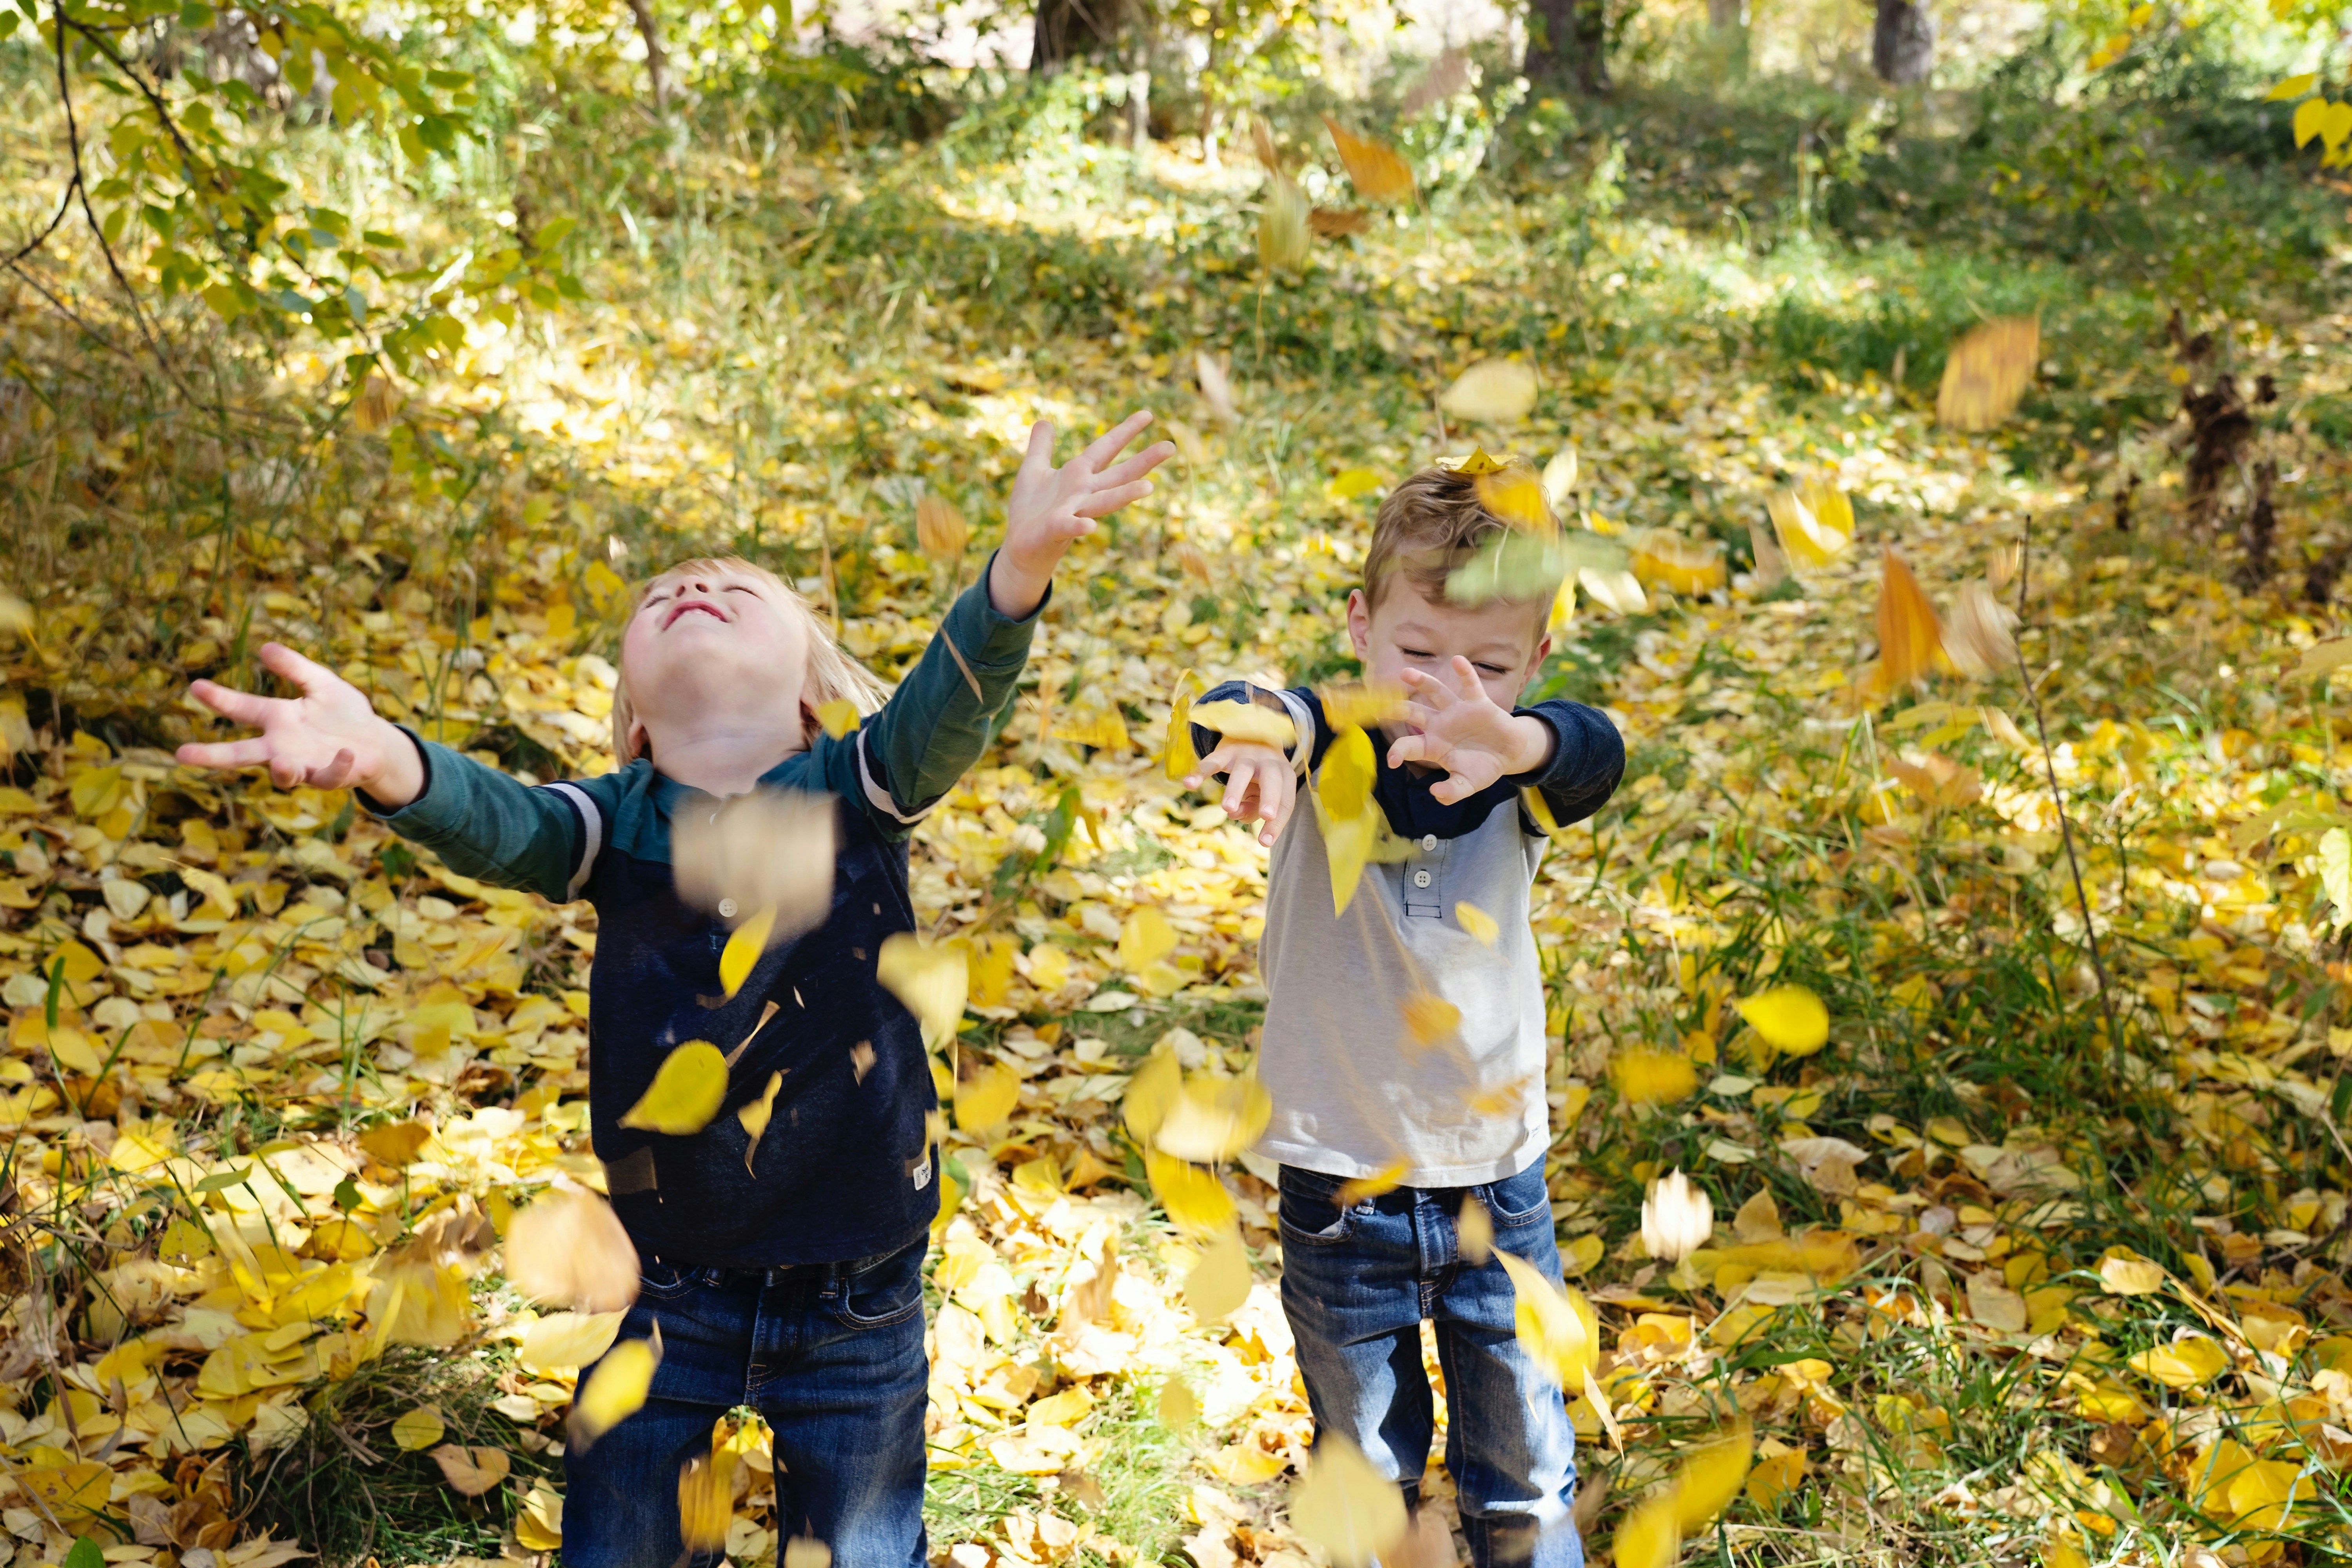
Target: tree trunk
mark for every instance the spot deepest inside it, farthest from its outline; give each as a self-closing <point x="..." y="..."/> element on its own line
<point x="1073" y="29"/>
<point x="1903" y="43"/>
<point x="1723" y="14"/>
<point x="1568" y="45"/>
<point x="657" y="57"/>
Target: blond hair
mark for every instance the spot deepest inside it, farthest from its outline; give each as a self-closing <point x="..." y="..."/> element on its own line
<point x="832" y="676"/>
<point x="1428" y="528"/>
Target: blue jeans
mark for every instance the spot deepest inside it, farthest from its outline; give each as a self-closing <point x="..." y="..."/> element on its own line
<point x="1355" y="1284"/>
<point x="830" y="1355"/>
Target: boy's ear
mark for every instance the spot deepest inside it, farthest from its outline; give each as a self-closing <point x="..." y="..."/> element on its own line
<point x="810" y="724"/>
<point x="1359" y="623"/>
<point x="640" y="740"/>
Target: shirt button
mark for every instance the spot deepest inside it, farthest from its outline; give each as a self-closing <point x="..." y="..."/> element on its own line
<point x="1420" y="879"/>
<point x="1429" y="841"/>
<point x="726" y="908"/>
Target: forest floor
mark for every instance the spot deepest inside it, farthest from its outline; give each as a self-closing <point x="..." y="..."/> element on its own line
<point x="2037" y="1258"/>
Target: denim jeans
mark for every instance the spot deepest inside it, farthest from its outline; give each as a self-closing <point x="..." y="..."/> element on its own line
<point x="831" y="1355"/>
<point x="1355" y="1284"/>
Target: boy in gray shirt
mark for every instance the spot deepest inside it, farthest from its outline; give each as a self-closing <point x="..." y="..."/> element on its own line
<point x="1405" y="1043"/>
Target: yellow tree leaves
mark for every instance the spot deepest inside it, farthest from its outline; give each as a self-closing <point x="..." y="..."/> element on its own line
<point x="1345" y="812"/>
<point x="615" y="1389"/>
<point x="1908" y="636"/>
<point x="1346" y="1506"/>
<point x="1790" y="1018"/>
<point x="1491" y="392"/>
<point x="1678" y="1217"/>
<point x="939" y="529"/>
<point x="1247" y="722"/>
<point x="687" y="1090"/>
<point x="986" y="1097"/>
<point x="930" y="980"/>
<point x="1374" y="168"/>
<point x="1986" y="371"/>
<point x="569" y="1248"/>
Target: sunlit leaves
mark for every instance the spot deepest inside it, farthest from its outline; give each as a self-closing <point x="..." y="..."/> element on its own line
<point x="569" y="1249"/>
<point x="1477" y="923"/>
<point x="1790" y="1018"/>
<point x="1908" y="636"/>
<point x="986" y="1097"/>
<point x="1195" y="1200"/>
<point x="1977" y="637"/>
<point x="1214" y="1118"/>
<point x="1346" y="1506"/>
<point x="1809" y="525"/>
<point x="564" y="1341"/>
<point x="930" y="980"/>
<point x="686" y="1093"/>
<point x="2127" y="1274"/>
<point x="1512" y="564"/>
<point x="1378" y="173"/>
<point x="1684" y="566"/>
<point x="1474" y="1232"/>
<point x="1345" y="812"/>
<point x="1704" y="1484"/>
<point x="939" y="529"/>
<point x="744" y="948"/>
<point x="417" y="1429"/>
<point x="616" y="1388"/>
<point x="1491" y="392"/>
<point x="2335" y="873"/>
<point x="706" y="1498"/>
<point x="2190" y="1362"/>
<point x="1556" y="1326"/>
<point x="1361" y="705"/>
<point x="471" y="1471"/>
<point x="754" y="1114"/>
<point x="1429" y="1018"/>
<point x="1649" y="1076"/>
<point x="1180" y="758"/>
<point x="1247" y="721"/>
<point x="1216" y="1286"/>
<point x="1359" y="1189"/>
<point x="1149" y="1094"/>
<point x="1514" y="495"/>
<point x="1986" y="371"/>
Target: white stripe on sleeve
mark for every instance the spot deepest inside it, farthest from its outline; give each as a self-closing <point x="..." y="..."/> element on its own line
<point x="592" y="834"/>
<point x="878" y="796"/>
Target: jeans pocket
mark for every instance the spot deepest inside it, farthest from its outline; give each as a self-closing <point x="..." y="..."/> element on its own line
<point x="889" y="1291"/>
<point x="1519" y="1199"/>
<point x="1310" y="1213"/>
<point x="660" y="1281"/>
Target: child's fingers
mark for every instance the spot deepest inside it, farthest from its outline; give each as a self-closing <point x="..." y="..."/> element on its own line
<point x="1411" y="749"/>
<point x="242" y="707"/>
<point x="1102" y="503"/>
<point x="1040" y="455"/>
<point x="225" y="753"/>
<point x="1427" y="689"/>
<point x="1283" y="794"/>
<point x="1135" y="468"/>
<point x="1241" y="783"/>
<point x="337" y="772"/>
<point x="1219" y="761"/>
<point x="310" y="675"/>
<point x="1114" y="439"/>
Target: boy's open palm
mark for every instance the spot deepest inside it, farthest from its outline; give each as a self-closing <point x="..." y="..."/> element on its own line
<point x="1051" y="507"/>
<point x="1463" y="732"/>
<point x="1261" y="784"/>
<point x="327" y="738"/>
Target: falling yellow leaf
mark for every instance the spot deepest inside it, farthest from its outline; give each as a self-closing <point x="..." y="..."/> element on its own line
<point x="1710" y="1477"/>
<point x="1685" y="566"/>
<point x="1429" y="1019"/>
<point x="706" y="1500"/>
<point x="1491" y="392"/>
<point x="986" y="1097"/>
<point x="1477" y="923"/>
<point x="2293" y="88"/>
<point x="1283" y="237"/>
<point x="1473" y="1233"/>
<point x="1647" y="1537"/>
<point x="1247" y="721"/>
<point x="2124" y="1274"/>
<point x="1376" y="171"/>
<point x="1648" y="1077"/>
<point x="772" y="849"/>
<point x="471" y="1472"/>
<point x="1144" y="939"/>
<point x="1516" y="495"/>
<point x="754" y="1114"/>
<point x="939" y="529"/>
<point x="1987" y="373"/>
<point x="687" y="1092"/>
<point x="1977" y="639"/>
<point x="561" y="1342"/>
<point x="615" y="1389"/>
<point x="1806" y="539"/>
<point x="1346" y="1506"/>
<point x="1150" y="1092"/>
<point x="1678" y="1217"/>
<point x="839" y="717"/>
<point x="1790" y="1018"/>
<point x="1361" y="705"/>
<point x="1179" y="1407"/>
<point x="1180" y="759"/>
<point x="1215" y="1118"/>
<point x="743" y="950"/>
<point x="569" y="1248"/>
<point x="418" y="1430"/>
<point x="1907" y="634"/>
<point x="1216" y="1286"/>
<point x="1359" y="1189"/>
<point x="1195" y="1200"/>
<point x="1556" y="1326"/>
<point x="930" y="980"/>
<point x="1344" y="812"/>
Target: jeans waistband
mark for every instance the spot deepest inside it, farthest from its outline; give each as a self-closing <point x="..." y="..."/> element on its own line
<point x="723" y="1277"/>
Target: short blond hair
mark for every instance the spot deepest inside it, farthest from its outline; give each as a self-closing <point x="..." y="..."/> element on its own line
<point x="1428" y="528"/>
<point x="833" y="676"/>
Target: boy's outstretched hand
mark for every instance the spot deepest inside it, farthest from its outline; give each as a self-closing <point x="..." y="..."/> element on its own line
<point x="1051" y="507"/>
<point x="1463" y="732"/>
<point x="327" y="738"/>
<point x="1261" y="784"/>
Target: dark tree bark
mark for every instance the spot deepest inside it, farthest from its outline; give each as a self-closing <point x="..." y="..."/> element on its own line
<point x="1903" y="43"/>
<point x="1722" y="13"/>
<point x="1073" y="29"/>
<point x="1568" y="45"/>
<point x="657" y="57"/>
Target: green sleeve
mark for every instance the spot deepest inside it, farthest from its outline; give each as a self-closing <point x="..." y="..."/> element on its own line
<point x="936" y="724"/>
<point x="486" y="826"/>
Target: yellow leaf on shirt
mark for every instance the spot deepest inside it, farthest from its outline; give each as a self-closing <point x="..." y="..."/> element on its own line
<point x="1477" y="923"/>
<point x="754" y="1115"/>
<point x="743" y="950"/>
<point x="686" y="1094"/>
<point x="1387" y="1179"/>
<point x="839" y="717"/>
<point x="1429" y="1019"/>
<point x="1248" y="722"/>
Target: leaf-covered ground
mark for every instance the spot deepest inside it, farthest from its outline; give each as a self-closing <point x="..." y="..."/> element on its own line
<point x="1996" y="1282"/>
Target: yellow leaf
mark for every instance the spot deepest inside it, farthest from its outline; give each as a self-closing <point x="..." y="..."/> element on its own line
<point x="1790" y="1018"/>
<point x="1346" y="1506"/>
<point x="839" y="717"/>
<point x="395" y="1143"/>
<point x="1908" y="636"/>
<point x="755" y="1114"/>
<point x="938" y="529"/>
<point x="539" y="1527"/>
<point x="1350" y="483"/>
<point x="743" y="950"/>
<point x="1179" y="1407"/>
<point x="770" y="850"/>
<point x="561" y="1342"/>
<point x="615" y="1389"/>
<point x="1283" y="235"/>
<point x="2335" y="126"/>
<point x="1248" y="722"/>
<point x="1711" y="1476"/>
<point x="1180" y="758"/>
<point x="986" y="1097"/>
<point x="471" y="1471"/>
<point x="1687" y="566"/>
<point x="706" y="1500"/>
<point x="2127" y="1274"/>
<point x="686" y="1093"/>
<point x="808" y="1552"/>
<point x="2293" y="87"/>
<point x="2188" y="1363"/>
<point x="2309" y="117"/>
<point x="1556" y="1326"/>
<point x="1473" y="1233"/>
<point x="418" y="1429"/>
<point x="1215" y="1118"/>
<point x="1516" y="495"/>
<point x="1219" y="1282"/>
<point x="1150" y="1092"/>
<point x="2064" y="1548"/>
<point x="1491" y="392"/>
<point x="1577" y="1256"/>
<point x="1195" y="1200"/>
<point x="1361" y="705"/>
<point x="930" y="981"/>
<point x="1988" y="371"/>
<point x="1145" y="939"/>
<point x="1775" y="1476"/>
<point x="1429" y="1019"/>
<point x="1379" y="175"/>
<point x="1647" y="1538"/>
<point x="70" y="1488"/>
<point x="1648" y="1077"/>
<point x="1477" y="923"/>
<point x="1678" y="1218"/>
<point x="570" y="1248"/>
<point x="1387" y="1179"/>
